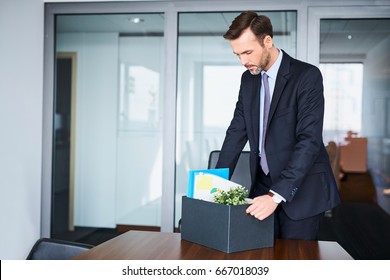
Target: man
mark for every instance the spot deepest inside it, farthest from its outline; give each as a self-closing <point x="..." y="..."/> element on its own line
<point x="290" y="169"/>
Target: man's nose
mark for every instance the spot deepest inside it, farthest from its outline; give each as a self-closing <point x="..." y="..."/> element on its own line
<point x="243" y="60"/>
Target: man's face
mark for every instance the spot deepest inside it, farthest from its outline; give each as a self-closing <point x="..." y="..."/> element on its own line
<point x="250" y="52"/>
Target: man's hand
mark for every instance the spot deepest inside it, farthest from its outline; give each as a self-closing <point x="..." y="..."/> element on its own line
<point x="261" y="207"/>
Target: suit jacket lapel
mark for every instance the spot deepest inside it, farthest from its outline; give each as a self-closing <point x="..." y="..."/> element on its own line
<point x="281" y="80"/>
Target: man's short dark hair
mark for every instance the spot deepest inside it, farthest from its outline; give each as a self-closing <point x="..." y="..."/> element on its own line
<point x="260" y="25"/>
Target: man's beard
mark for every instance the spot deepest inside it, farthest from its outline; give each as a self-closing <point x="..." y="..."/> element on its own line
<point x="260" y="67"/>
<point x="257" y="71"/>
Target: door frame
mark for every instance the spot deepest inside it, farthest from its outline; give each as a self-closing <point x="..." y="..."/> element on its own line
<point x="171" y="9"/>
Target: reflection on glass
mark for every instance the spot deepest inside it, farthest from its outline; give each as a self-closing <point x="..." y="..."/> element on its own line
<point x="139" y="156"/>
<point x="343" y="85"/>
<point x="208" y="83"/>
<point x="117" y="119"/>
<point x="139" y="96"/>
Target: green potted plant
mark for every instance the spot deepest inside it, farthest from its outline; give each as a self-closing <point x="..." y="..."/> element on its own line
<point x="234" y="196"/>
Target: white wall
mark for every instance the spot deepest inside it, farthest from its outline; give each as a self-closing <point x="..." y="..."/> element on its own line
<point x="21" y="97"/>
<point x="21" y="76"/>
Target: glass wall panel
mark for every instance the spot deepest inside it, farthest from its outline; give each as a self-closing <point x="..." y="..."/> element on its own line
<point x="108" y="123"/>
<point x="139" y="134"/>
<point x="208" y="82"/>
<point x="355" y="65"/>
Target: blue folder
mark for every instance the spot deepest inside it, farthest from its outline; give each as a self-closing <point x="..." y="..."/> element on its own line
<point x="221" y="172"/>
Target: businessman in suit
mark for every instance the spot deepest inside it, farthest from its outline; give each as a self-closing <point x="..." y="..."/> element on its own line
<point x="290" y="170"/>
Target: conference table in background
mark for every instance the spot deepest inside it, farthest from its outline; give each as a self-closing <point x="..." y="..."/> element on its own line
<point x="147" y="245"/>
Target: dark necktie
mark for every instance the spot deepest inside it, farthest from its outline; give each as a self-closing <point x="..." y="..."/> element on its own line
<point x="263" y="158"/>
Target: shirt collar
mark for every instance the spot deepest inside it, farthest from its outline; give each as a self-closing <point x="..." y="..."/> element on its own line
<point x="273" y="70"/>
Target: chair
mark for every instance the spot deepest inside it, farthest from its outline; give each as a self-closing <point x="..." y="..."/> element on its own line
<point x="241" y="173"/>
<point x="52" y="249"/>
<point x="334" y="158"/>
<point x="353" y="155"/>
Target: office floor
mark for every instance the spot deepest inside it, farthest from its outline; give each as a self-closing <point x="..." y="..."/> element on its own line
<point x="361" y="223"/>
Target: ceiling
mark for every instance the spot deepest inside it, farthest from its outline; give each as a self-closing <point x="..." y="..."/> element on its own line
<point x="352" y="38"/>
<point x="340" y="39"/>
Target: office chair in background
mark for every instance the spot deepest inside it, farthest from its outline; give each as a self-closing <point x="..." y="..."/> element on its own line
<point x="334" y="159"/>
<point x="52" y="249"/>
<point x="241" y="173"/>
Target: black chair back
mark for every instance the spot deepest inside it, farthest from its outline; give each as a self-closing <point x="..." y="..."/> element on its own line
<point x="52" y="249"/>
<point x="241" y="173"/>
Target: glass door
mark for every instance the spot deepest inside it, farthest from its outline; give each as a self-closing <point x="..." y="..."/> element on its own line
<point x="351" y="47"/>
<point x="108" y="173"/>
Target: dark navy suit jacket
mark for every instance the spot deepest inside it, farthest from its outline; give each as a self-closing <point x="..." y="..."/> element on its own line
<point x="297" y="159"/>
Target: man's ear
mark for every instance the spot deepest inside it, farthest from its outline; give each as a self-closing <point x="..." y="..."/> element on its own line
<point x="268" y="42"/>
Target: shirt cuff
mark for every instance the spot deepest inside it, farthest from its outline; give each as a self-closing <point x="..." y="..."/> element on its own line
<point x="277" y="196"/>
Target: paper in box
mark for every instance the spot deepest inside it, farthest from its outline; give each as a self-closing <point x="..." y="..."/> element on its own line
<point x="224" y="227"/>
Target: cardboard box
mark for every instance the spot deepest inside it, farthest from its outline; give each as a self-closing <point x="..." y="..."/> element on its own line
<point x="224" y="227"/>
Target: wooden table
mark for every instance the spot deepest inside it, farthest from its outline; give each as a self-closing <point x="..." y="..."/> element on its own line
<point x="145" y="245"/>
